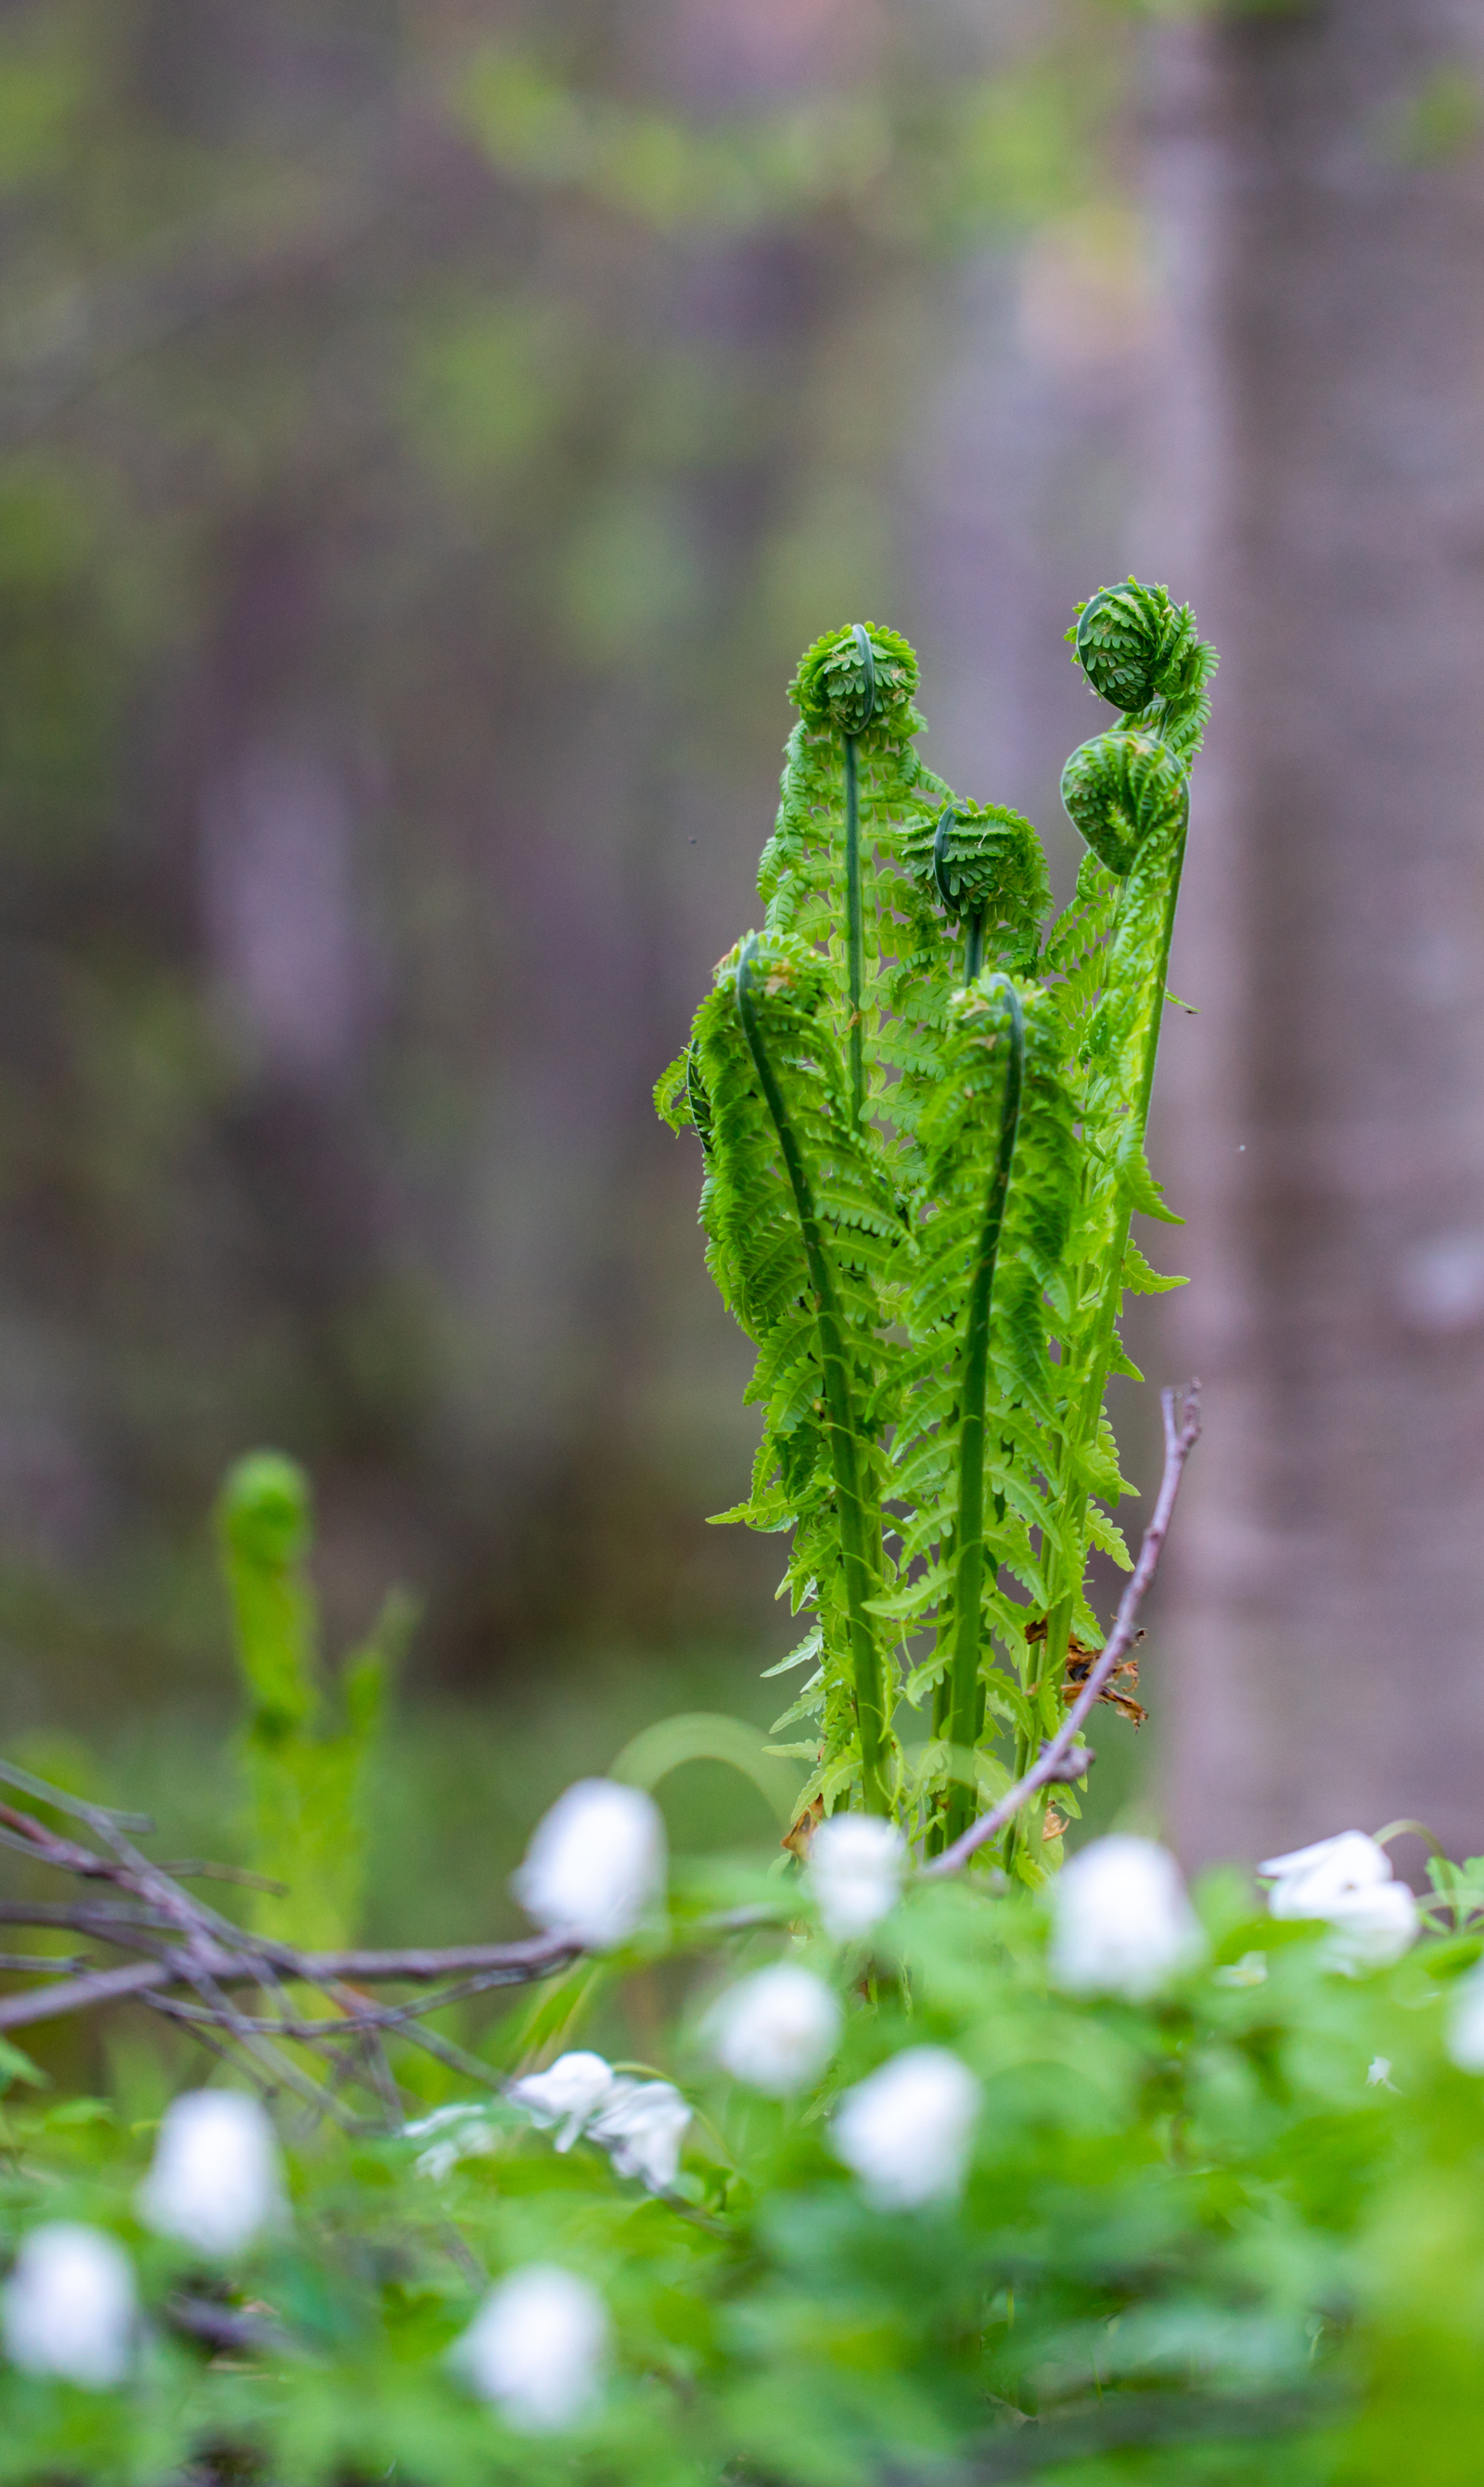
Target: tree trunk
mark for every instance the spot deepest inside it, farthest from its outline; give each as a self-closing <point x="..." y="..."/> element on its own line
<point x="1324" y="1609"/>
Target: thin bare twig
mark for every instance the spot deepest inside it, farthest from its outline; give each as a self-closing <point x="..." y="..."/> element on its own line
<point x="1182" y="1432"/>
<point x="177" y="1941"/>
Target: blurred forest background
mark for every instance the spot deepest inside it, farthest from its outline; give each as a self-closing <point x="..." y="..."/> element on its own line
<point x="428" y="436"/>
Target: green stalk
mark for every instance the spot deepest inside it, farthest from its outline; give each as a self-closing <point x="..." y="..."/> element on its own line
<point x="973" y="945"/>
<point x="969" y="1574"/>
<point x="854" y="1531"/>
<point x="855" y="911"/>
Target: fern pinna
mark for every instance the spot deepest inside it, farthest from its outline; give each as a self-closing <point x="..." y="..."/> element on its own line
<point x="922" y="1104"/>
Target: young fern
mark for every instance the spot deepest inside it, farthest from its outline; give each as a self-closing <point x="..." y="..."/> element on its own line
<point x="306" y="1773"/>
<point x="922" y="1109"/>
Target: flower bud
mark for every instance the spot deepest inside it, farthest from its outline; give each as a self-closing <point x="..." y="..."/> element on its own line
<point x="538" y="2348"/>
<point x="68" y="2306"/>
<point x="596" y="1865"/>
<point x="216" y="2181"/>
<point x="778" y="2030"/>
<point x="1121" y="1921"/>
<point x="907" y="2129"/>
<point x="856" y="1869"/>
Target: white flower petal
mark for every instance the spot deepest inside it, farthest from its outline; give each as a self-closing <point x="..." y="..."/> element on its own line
<point x="68" y="2305"/>
<point x="856" y="1869"/>
<point x="776" y="2030"/>
<point x="1372" y="1927"/>
<point x="568" y="2094"/>
<point x="1345" y="1881"/>
<point x="1307" y="1880"/>
<point x="462" y="2131"/>
<point x="596" y="1865"/>
<point x="216" y="2182"/>
<point x="907" y="2129"/>
<point x="1121" y="1921"/>
<point x="641" y="2127"/>
<point x="538" y="2348"/>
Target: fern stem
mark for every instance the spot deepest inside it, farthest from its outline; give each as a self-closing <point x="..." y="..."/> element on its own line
<point x="855" y="1533"/>
<point x="968" y="1575"/>
<point x="973" y="945"/>
<point x="855" y="908"/>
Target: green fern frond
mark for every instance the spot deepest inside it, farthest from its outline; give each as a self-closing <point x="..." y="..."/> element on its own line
<point x="307" y="1778"/>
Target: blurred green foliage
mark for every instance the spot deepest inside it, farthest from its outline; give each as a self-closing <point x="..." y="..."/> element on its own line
<point x="1231" y="2232"/>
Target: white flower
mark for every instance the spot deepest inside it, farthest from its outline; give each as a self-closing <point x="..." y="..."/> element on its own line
<point x="856" y="1869"/>
<point x="1372" y="1928"/>
<point x="641" y="2127"/>
<point x="1465" y="2039"/>
<point x="68" y="2305"/>
<point x="567" y="2094"/>
<point x="596" y="1865"/>
<point x="463" y="2131"/>
<point x="641" y="2124"/>
<point x="1309" y="1880"/>
<point x="538" y="2348"/>
<point x="216" y="2181"/>
<point x="906" y="2130"/>
<point x="1347" y="1881"/>
<point x="778" y="2030"/>
<point x="1121" y="1921"/>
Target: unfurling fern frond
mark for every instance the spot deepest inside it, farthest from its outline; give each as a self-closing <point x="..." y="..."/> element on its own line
<point x="804" y="1227"/>
<point x="923" y="1132"/>
<point x="1129" y="794"/>
<point x="1143" y="655"/>
<point x="1131" y="799"/>
<point x="851" y="781"/>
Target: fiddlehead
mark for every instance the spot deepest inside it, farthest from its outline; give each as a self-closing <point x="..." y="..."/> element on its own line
<point x="851" y="779"/>
<point x="987" y="869"/>
<point x="982" y="865"/>
<point x="1143" y="655"/>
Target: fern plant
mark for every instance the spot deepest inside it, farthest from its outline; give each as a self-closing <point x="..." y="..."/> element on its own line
<point x="306" y="1774"/>
<point x="922" y="1104"/>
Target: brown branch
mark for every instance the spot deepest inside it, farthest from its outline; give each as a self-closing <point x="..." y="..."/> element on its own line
<point x="1181" y="1436"/>
<point x="486" y="1965"/>
<point x="80" y="1994"/>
